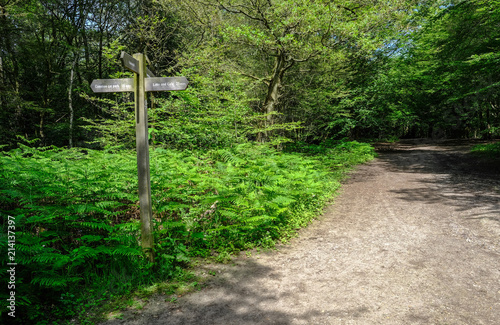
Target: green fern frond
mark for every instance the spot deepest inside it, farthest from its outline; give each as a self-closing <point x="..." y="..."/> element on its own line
<point x="91" y="238"/>
<point x="127" y="251"/>
<point x="50" y="258"/>
<point x="54" y="281"/>
<point x="258" y="219"/>
<point x="228" y="213"/>
<point x="93" y="225"/>
<point x="283" y="200"/>
<point x="85" y="252"/>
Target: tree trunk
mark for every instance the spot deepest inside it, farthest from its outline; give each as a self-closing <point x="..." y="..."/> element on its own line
<point x="99" y="58"/>
<point x="2" y="90"/>
<point x="281" y="64"/>
<point x="488" y="123"/>
<point x="70" y="101"/>
<point x="86" y="50"/>
<point x="42" y="114"/>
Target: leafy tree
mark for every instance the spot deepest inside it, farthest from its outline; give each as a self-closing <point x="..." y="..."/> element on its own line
<point x="266" y="40"/>
<point x="447" y="77"/>
<point x="50" y="51"/>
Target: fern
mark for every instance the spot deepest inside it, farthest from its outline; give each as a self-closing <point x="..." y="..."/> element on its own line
<point x="55" y="281"/>
<point x="78" y="219"/>
<point x="258" y="220"/>
<point x="126" y="251"/>
<point x="93" y="225"/>
<point x="51" y="258"/>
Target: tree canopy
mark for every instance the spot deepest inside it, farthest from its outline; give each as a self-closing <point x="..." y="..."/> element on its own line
<point x="281" y="70"/>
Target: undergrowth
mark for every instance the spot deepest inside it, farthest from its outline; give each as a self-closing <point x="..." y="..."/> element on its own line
<point x="490" y="150"/>
<point x="77" y="219"/>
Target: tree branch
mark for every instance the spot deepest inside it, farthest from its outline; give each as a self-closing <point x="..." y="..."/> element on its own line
<point x="263" y="80"/>
<point x="353" y="10"/>
<point x="233" y="10"/>
<point x="310" y="56"/>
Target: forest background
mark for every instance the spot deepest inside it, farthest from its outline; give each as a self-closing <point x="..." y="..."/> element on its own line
<point x="279" y="93"/>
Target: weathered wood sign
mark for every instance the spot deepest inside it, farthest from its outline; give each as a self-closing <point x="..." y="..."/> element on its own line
<point x="166" y="84"/>
<point x="144" y="81"/>
<point x="130" y="63"/>
<point x="112" y="85"/>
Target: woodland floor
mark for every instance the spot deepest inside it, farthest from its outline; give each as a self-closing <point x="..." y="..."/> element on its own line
<point x="414" y="238"/>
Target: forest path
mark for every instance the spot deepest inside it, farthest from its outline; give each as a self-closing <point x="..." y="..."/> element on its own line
<point x="414" y="238"/>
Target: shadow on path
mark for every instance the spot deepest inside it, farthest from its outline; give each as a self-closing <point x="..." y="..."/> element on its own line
<point x="233" y="296"/>
<point x="455" y="177"/>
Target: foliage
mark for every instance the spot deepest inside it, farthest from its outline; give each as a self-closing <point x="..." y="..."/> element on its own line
<point x="236" y="197"/>
<point x="77" y="220"/>
<point x="209" y="114"/>
<point x="491" y="150"/>
<point x="444" y="81"/>
<point x="287" y="51"/>
<point x="276" y="71"/>
<point x="74" y="227"/>
<point x="52" y="50"/>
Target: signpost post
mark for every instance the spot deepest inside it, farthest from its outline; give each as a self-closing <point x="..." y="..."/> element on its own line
<point x="143" y="81"/>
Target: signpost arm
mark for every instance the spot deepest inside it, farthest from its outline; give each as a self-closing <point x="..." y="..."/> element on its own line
<point x="141" y="127"/>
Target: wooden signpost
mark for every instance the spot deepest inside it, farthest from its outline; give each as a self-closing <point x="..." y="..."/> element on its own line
<point x="143" y="81"/>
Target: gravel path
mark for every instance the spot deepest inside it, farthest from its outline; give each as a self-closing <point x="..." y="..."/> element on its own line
<point x="414" y="238"/>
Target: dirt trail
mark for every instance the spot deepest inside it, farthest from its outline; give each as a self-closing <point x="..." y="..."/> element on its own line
<point x="414" y="238"/>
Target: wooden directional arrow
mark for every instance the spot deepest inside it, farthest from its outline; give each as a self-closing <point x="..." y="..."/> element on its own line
<point x="166" y="84"/>
<point x="112" y="85"/>
<point x="127" y="84"/>
<point x="132" y="64"/>
<point x="129" y="62"/>
<point x="149" y="74"/>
